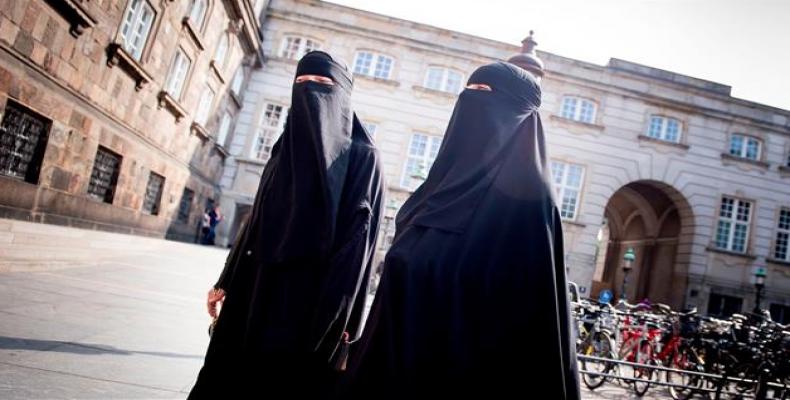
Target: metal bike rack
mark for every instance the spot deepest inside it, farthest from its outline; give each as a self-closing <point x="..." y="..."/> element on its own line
<point x="715" y="377"/>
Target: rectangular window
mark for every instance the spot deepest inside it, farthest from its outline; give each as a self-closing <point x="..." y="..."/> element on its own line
<point x="178" y="73"/>
<point x="567" y="185"/>
<point x="664" y="128"/>
<point x="238" y="80"/>
<point x="136" y="26"/>
<point x="270" y="130"/>
<point x="153" y="193"/>
<point x="371" y="128"/>
<point x="443" y="79"/>
<point x="23" y="141"/>
<point x="578" y="109"/>
<point x="224" y="129"/>
<point x="780" y="313"/>
<point x="723" y="306"/>
<point x="204" y="106"/>
<point x="104" y="176"/>
<point x="422" y="153"/>
<point x="745" y="146"/>
<point x="295" y="47"/>
<point x="732" y="231"/>
<point x="782" y="249"/>
<point x="185" y="205"/>
<point x="371" y="64"/>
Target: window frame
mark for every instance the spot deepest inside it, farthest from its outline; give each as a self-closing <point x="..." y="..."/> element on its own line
<point x="444" y="79"/>
<point x="264" y="132"/>
<point x="576" y="115"/>
<point x="744" y="147"/>
<point x="376" y="58"/>
<point x="223" y="129"/>
<point x="203" y="22"/>
<point x="157" y="204"/>
<point x="139" y="51"/>
<point x="302" y="48"/>
<point x="664" y="128"/>
<point x="203" y="110"/>
<point x="737" y="202"/>
<point x="562" y="187"/>
<point x="425" y="159"/>
<point x="172" y="74"/>
<point x="782" y="230"/>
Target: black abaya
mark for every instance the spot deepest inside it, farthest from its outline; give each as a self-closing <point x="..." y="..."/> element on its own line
<point x="473" y="298"/>
<point x="297" y="278"/>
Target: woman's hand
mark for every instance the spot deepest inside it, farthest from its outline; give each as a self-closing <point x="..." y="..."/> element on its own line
<point x="215" y="297"/>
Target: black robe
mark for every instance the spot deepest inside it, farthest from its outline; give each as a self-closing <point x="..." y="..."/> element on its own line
<point x="473" y="298"/>
<point x="296" y="279"/>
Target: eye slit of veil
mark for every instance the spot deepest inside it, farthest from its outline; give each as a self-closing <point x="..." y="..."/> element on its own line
<point x="315" y="78"/>
<point x="479" y="86"/>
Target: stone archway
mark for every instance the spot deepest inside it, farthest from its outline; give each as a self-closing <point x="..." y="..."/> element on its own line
<point x="656" y="221"/>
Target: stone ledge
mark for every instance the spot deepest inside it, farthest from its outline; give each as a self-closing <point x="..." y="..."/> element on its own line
<point x="217" y="72"/>
<point x="576" y="124"/>
<point x="778" y="261"/>
<point x="199" y="131"/>
<point x="434" y="92"/>
<point x="646" y="138"/>
<point x="388" y="82"/>
<point x="116" y="55"/>
<point x="76" y="13"/>
<point x="167" y="101"/>
<point x="193" y="33"/>
<point x="731" y="253"/>
<point x="756" y="163"/>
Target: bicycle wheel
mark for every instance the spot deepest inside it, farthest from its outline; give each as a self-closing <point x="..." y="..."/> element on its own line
<point x="684" y="360"/>
<point x="644" y="356"/>
<point x="600" y="345"/>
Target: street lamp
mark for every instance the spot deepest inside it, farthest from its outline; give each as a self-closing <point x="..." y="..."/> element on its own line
<point x="759" y="284"/>
<point x="628" y="261"/>
<point x="420" y="173"/>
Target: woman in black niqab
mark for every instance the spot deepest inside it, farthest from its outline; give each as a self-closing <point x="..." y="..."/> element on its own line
<point x="296" y="279"/>
<point x="473" y="298"/>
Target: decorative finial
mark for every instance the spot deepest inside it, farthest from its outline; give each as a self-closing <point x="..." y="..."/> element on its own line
<point x="528" y="58"/>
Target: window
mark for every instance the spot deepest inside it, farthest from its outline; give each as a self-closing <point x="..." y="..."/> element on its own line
<point x="197" y="10"/>
<point x="295" y="47"/>
<point x="224" y="128"/>
<point x="723" y="306"/>
<point x="238" y="80"/>
<point x="153" y="193"/>
<point x="135" y="27"/>
<point x="371" y="128"/>
<point x="23" y="140"/>
<point x="745" y="146"/>
<point x="271" y="127"/>
<point x="178" y="73"/>
<point x="104" y="177"/>
<point x="372" y="64"/>
<point x="422" y="153"/>
<point x="185" y="205"/>
<point x="567" y="185"/>
<point x="221" y="51"/>
<point x="732" y="232"/>
<point x="578" y="109"/>
<point x="780" y="313"/>
<point x="782" y="249"/>
<point x="443" y="79"/>
<point x="204" y="106"/>
<point x="664" y="128"/>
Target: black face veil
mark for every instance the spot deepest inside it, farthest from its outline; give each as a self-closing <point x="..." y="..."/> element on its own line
<point x="473" y="297"/>
<point x="297" y="276"/>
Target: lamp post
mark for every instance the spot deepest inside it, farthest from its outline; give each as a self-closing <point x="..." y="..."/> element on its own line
<point x="759" y="284"/>
<point x="628" y="261"/>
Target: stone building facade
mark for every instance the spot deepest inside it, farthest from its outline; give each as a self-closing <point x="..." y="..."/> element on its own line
<point x="696" y="181"/>
<point x="116" y="114"/>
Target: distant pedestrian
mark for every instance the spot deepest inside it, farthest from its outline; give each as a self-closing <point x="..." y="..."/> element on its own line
<point x="211" y="218"/>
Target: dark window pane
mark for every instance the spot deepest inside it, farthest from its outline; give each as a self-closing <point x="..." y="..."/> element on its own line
<point x="153" y="193"/>
<point x="104" y="176"/>
<point x="23" y="139"/>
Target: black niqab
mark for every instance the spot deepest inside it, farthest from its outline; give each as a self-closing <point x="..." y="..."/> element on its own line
<point x="297" y="277"/>
<point x="473" y="298"/>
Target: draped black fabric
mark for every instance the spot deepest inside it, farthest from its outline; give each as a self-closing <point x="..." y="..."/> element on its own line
<point x="296" y="279"/>
<point x="473" y="298"/>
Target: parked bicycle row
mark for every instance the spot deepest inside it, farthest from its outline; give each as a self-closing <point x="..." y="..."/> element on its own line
<point x="650" y="345"/>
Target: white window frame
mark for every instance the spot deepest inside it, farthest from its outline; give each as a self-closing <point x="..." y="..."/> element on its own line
<point x="575" y="113"/>
<point x="238" y="81"/>
<point x="304" y="46"/>
<point x="204" y="105"/>
<point x="444" y="79"/>
<point x="375" y="66"/>
<point x="563" y="188"/>
<point x="733" y="220"/>
<point x="663" y="128"/>
<point x="744" y="147"/>
<point x="267" y="133"/>
<point x="198" y="15"/>
<point x="426" y="158"/>
<point x="135" y="28"/>
<point x="783" y="231"/>
<point x="178" y="73"/>
<point x="371" y="127"/>
<point x="224" y="129"/>
<point x="221" y="52"/>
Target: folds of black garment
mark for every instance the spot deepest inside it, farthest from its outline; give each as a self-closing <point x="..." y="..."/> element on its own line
<point x="297" y="277"/>
<point x="479" y="307"/>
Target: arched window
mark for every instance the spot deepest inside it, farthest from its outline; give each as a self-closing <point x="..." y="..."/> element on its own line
<point x="197" y="12"/>
<point x="221" y="51"/>
<point x="578" y="109"/>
